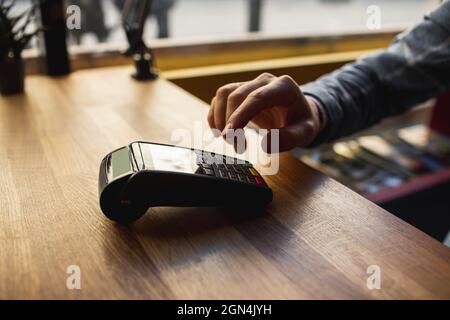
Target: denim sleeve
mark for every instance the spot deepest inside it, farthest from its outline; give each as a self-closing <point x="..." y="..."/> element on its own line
<point x="413" y="69"/>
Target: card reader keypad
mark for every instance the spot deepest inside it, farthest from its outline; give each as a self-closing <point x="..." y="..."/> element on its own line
<point x="227" y="168"/>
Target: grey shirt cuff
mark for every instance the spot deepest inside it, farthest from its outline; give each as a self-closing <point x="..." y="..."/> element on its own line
<point x="324" y="102"/>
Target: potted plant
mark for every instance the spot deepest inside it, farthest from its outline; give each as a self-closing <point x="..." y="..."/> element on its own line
<point x="14" y="36"/>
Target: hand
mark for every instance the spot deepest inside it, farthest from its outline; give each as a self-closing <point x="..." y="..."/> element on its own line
<point x="271" y="103"/>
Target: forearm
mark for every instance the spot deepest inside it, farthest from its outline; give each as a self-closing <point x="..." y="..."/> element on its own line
<point x="347" y="101"/>
<point x="413" y="69"/>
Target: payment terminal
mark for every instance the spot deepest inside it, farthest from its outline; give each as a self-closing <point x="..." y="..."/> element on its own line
<point x="144" y="174"/>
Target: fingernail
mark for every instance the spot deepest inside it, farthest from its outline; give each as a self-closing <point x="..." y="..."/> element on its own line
<point x="216" y="132"/>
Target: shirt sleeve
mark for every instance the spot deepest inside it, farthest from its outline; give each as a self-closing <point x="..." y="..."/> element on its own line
<point x="413" y="69"/>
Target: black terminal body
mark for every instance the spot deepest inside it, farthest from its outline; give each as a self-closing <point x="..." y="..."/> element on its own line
<point x="144" y="174"/>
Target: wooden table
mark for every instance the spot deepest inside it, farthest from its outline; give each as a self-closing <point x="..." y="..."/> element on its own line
<point x="316" y="240"/>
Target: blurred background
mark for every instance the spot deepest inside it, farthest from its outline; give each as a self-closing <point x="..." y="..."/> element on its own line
<point x="227" y="18"/>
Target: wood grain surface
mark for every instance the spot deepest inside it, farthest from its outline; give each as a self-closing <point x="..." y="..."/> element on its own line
<point x="316" y="240"/>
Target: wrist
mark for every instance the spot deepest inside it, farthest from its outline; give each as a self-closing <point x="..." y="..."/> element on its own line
<point x="319" y="115"/>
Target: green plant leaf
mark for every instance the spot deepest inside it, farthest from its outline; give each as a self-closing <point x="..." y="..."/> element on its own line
<point x="13" y="30"/>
